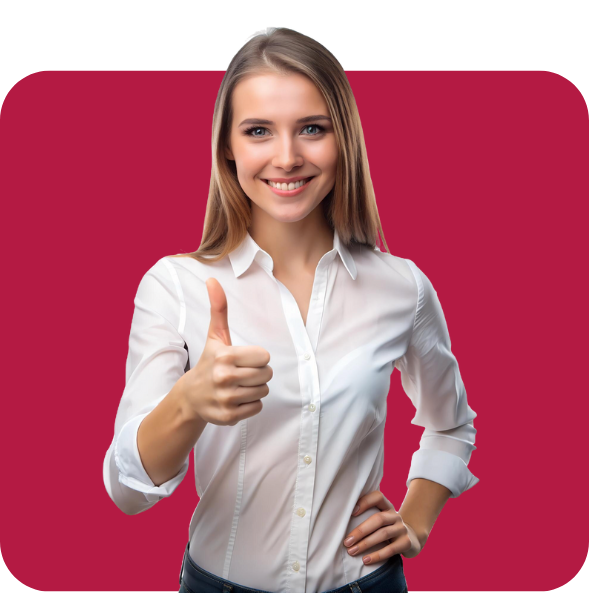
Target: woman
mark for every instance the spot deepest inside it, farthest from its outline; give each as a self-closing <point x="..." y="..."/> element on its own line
<point x="288" y="273"/>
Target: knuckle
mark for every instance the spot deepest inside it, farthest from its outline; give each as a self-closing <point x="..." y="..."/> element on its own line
<point x="220" y="352"/>
<point x="225" y="355"/>
<point x="221" y="375"/>
<point x="216" y="371"/>
<point x="226" y="417"/>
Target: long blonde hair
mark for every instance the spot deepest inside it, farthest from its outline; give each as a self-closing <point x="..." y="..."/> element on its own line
<point x="350" y="206"/>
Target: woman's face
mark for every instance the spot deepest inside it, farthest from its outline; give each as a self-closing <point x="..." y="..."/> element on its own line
<point x="284" y="146"/>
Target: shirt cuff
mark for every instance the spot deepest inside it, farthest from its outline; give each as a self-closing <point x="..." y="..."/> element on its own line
<point x="444" y="468"/>
<point x="131" y="470"/>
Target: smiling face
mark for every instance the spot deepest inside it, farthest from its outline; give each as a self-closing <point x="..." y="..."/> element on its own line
<point x="291" y="143"/>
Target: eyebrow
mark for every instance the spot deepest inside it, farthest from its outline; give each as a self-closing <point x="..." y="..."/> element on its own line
<point x="302" y="120"/>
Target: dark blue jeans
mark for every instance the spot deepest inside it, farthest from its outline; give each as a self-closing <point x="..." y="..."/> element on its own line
<point x="389" y="578"/>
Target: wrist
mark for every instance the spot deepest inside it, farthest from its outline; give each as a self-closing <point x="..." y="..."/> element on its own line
<point x="420" y="532"/>
<point x="188" y="413"/>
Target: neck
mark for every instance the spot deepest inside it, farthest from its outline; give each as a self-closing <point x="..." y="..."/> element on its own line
<point x="294" y="246"/>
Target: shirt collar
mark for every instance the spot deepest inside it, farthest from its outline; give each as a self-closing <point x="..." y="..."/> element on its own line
<point x="242" y="256"/>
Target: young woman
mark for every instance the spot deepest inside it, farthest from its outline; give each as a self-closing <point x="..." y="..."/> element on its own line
<point x="269" y="352"/>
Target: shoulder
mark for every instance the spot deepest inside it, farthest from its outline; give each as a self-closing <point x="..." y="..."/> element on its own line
<point x="162" y="271"/>
<point x="424" y="295"/>
<point x="395" y="266"/>
<point x="414" y="274"/>
<point x="160" y="277"/>
<point x="174" y="266"/>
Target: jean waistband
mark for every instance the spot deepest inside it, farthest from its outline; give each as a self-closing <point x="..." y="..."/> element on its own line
<point x="391" y="563"/>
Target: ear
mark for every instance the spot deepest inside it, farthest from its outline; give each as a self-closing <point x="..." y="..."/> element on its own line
<point x="228" y="153"/>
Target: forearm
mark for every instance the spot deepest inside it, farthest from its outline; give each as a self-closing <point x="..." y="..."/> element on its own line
<point x="423" y="503"/>
<point x="167" y="435"/>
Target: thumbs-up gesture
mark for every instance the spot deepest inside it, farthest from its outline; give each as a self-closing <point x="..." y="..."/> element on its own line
<point x="228" y="382"/>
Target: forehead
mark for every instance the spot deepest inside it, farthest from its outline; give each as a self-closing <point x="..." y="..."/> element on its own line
<point x="276" y="97"/>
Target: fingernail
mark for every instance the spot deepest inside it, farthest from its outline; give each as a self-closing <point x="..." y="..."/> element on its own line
<point x="349" y="541"/>
<point x="366" y="559"/>
<point x="356" y="509"/>
<point x="353" y="550"/>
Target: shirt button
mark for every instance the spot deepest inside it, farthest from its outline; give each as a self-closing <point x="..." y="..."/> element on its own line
<point x="301" y="512"/>
<point x="312" y="407"/>
<point x="307" y="459"/>
<point x="296" y="565"/>
<point x="307" y="356"/>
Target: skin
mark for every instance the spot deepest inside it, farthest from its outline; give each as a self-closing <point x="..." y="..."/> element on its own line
<point x="292" y="230"/>
<point x="406" y="531"/>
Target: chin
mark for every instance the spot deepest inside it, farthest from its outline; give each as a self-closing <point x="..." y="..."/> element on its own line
<point x="281" y="217"/>
<point x="287" y="212"/>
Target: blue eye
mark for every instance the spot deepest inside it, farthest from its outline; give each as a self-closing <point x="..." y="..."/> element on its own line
<point x="249" y="131"/>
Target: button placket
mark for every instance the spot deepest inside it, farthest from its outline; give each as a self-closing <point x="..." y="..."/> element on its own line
<point x="304" y="339"/>
<point x="308" y="448"/>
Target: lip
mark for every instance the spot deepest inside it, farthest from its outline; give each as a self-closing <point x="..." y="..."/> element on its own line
<point x="294" y="192"/>
<point x="288" y="179"/>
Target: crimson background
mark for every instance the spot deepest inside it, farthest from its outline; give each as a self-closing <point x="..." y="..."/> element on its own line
<point x="481" y="179"/>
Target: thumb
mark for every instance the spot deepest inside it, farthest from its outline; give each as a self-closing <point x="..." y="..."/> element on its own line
<point x="218" y="328"/>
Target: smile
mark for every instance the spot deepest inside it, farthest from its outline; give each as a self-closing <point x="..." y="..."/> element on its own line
<point x="297" y="187"/>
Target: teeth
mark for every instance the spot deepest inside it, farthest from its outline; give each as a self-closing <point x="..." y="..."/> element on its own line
<point x="288" y="186"/>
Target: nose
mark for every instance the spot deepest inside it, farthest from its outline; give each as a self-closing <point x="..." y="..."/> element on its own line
<point x="287" y="155"/>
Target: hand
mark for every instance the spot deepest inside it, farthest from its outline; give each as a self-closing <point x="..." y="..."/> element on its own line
<point x="387" y="526"/>
<point x="228" y="382"/>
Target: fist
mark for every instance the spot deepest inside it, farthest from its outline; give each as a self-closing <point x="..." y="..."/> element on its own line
<point x="228" y="382"/>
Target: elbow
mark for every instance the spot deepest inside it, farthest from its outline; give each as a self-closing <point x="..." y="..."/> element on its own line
<point x="127" y="500"/>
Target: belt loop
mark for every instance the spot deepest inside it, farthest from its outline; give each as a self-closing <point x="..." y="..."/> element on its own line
<point x="183" y="561"/>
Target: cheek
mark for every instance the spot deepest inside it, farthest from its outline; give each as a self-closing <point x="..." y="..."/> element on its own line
<point x="246" y="164"/>
<point x="247" y="160"/>
<point x="325" y="156"/>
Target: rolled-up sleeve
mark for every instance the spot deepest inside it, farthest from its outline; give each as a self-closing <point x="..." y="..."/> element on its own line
<point x="431" y="378"/>
<point x="157" y="358"/>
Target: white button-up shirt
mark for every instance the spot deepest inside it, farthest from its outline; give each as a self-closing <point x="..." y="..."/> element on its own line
<point x="277" y="490"/>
